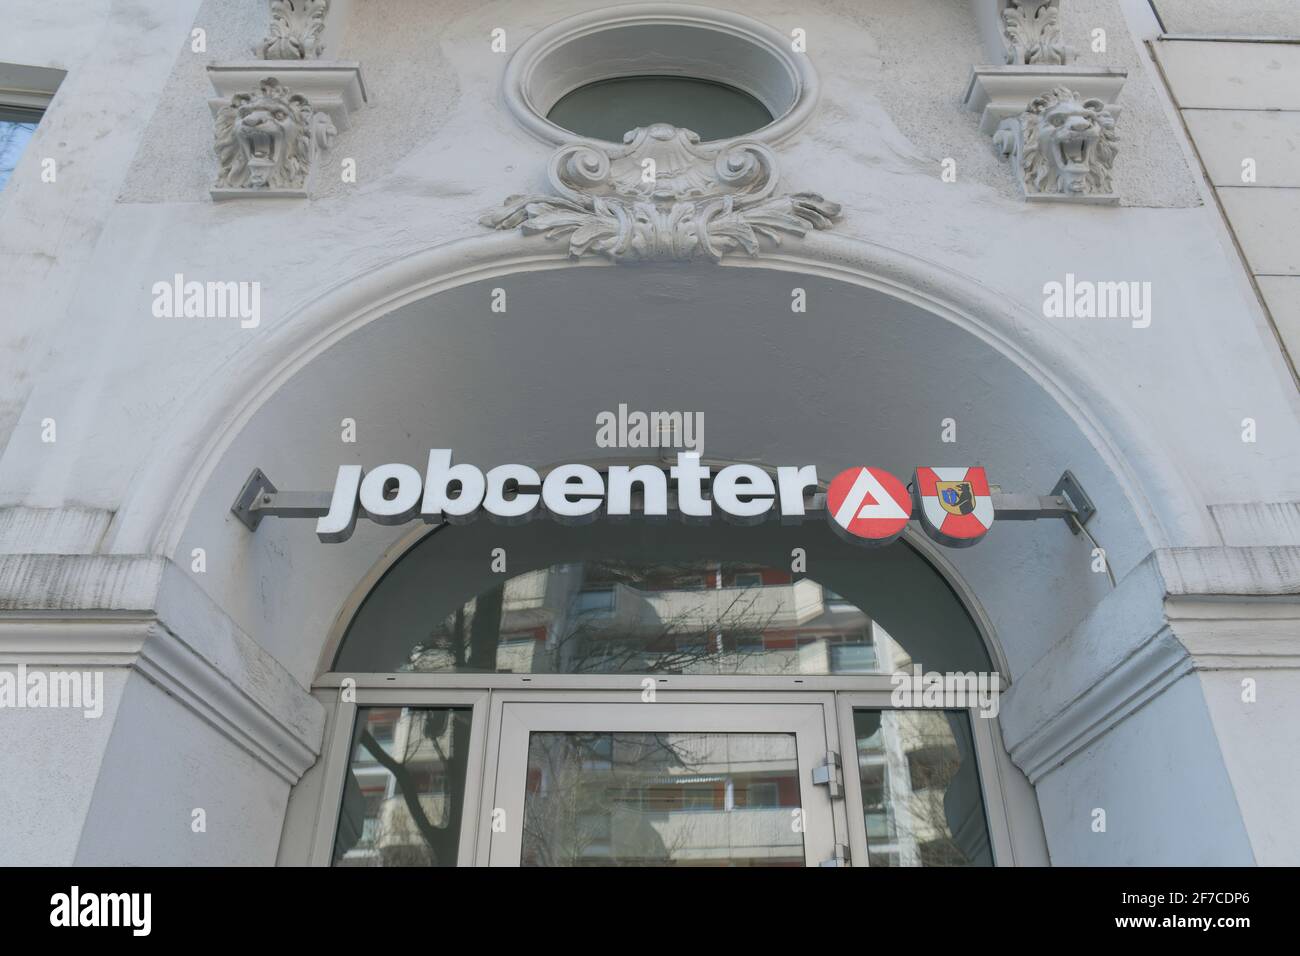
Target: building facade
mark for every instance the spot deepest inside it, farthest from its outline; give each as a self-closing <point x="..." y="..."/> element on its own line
<point x="271" y="268"/>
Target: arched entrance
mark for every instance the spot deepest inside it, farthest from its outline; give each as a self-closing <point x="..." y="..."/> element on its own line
<point x="720" y="625"/>
<point x="863" y="376"/>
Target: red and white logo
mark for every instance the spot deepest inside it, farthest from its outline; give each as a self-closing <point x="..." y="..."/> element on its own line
<point x="868" y="503"/>
<point x="955" y="504"/>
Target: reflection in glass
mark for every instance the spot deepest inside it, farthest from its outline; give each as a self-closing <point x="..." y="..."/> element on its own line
<point x="405" y="789"/>
<point x="661" y="799"/>
<point x="16" y="128"/>
<point x="605" y="617"/>
<point x="609" y="598"/>
<point x="921" y="797"/>
<point x="609" y="108"/>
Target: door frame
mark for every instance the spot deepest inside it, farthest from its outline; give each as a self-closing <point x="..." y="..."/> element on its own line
<point x="987" y="741"/>
<point x="336" y="757"/>
<point x="311" y="818"/>
<point x="728" y="713"/>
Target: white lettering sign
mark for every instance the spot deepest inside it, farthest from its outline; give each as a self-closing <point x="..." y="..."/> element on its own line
<point x="874" y="511"/>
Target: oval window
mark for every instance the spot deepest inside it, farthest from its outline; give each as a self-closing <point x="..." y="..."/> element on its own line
<point x="607" y="109"/>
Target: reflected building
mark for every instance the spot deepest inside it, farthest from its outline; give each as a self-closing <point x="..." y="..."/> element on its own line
<point x="664" y="798"/>
<point x="602" y="617"/>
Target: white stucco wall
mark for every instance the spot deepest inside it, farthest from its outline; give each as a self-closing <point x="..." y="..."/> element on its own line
<point x="441" y="173"/>
<point x="159" y="420"/>
<point x="1154" y="799"/>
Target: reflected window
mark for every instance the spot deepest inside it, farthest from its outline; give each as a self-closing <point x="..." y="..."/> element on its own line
<point x="607" y="617"/>
<point x="921" y="798"/>
<point x="404" y="793"/>
<point x="595" y="599"/>
<point x="16" y="128"/>
<point x="661" y="799"/>
<point x="622" y="599"/>
<point x="609" y="108"/>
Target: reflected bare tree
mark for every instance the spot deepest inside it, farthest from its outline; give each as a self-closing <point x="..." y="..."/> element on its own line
<point x="697" y="636"/>
<point x="938" y="808"/>
<point x="565" y="821"/>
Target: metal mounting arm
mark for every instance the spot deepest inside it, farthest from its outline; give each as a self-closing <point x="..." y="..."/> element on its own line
<point x="259" y="499"/>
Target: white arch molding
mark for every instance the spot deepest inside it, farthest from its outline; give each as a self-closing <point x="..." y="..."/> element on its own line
<point x="164" y="492"/>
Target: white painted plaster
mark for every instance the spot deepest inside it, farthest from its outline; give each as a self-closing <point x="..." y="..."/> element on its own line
<point x="925" y="301"/>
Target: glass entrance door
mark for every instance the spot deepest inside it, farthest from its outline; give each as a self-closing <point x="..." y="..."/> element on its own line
<point x="661" y="784"/>
<point x="702" y="777"/>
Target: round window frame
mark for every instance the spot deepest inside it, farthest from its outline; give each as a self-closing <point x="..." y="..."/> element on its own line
<point x="742" y="53"/>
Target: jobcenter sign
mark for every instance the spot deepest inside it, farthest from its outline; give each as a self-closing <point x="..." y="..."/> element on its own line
<point x="866" y="504"/>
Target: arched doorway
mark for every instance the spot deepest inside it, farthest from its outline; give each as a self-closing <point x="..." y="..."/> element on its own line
<point x="717" y="628"/>
<point x="865" y="376"/>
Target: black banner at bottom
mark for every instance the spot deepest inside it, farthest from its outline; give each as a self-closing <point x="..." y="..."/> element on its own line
<point x="213" y="906"/>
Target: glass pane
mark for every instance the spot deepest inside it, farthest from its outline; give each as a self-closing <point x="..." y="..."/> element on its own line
<point x="405" y="789"/>
<point x="610" y="108"/>
<point x="603" y="599"/>
<point x="16" y="128"/>
<point x="661" y="799"/>
<point x="921" y="799"/>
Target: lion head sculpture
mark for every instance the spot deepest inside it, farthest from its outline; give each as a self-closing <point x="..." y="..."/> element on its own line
<point x="1065" y="145"/>
<point x="267" y="139"/>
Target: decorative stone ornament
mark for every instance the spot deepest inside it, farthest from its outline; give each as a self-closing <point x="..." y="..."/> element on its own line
<point x="295" y="30"/>
<point x="1062" y="141"/>
<point x="1063" y="147"/>
<point x="1033" y="33"/>
<point x="663" y="195"/>
<point x="267" y="141"/>
<point x="1002" y="92"/>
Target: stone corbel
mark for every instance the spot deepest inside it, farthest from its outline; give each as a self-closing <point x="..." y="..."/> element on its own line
<point x="1053" y="119"/>
<point x="1055" y="124"/>
<point x="333" y="87"/>
<point x="1062" y="148"/>
<point x="275" y="115"/>
<point x="267" y="140"/>
<point x="998" y="93"/>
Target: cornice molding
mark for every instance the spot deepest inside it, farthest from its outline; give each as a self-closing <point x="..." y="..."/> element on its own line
<point x="1138" y="679"/>
<point x="1182" y="610"/>
<point x="143" y="614"/>
<point x="664" y="195"/>
<point x="1246" y="524"/>
<point x="71" y="529"/>
<point x="1236" y="634"/>
<point x="334" y="87"/>
<point x="1252" y="571"/>
<point x="144" y="645"/>
<point x="999" y="93"/>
